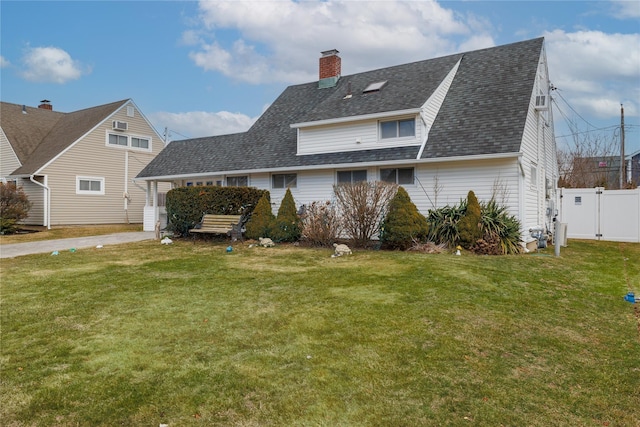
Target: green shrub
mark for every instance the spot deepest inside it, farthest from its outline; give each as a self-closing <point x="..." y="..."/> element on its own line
<point x="403" y="224"/>
<point x="443" y="224"/>
<point x="499" y="229"/>
<point x="287" y="226"/>
<point x="14" y="207"/>
<point x="186" y="205"/>
<point x="262" y="221"/>
<point x="469" y="225"/>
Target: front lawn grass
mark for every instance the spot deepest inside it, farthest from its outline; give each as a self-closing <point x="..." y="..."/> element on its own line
<point x="189" y="335"/>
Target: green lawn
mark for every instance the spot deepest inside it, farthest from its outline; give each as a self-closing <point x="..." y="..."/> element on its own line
<point x="143" y="334"/>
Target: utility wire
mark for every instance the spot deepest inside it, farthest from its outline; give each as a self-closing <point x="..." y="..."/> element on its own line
<point x="572" y="109"/>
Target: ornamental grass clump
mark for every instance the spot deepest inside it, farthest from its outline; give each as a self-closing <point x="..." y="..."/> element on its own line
<point x="403" y="225"/>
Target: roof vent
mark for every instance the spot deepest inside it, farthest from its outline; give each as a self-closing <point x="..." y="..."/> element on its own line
<point x="375" y="87"/>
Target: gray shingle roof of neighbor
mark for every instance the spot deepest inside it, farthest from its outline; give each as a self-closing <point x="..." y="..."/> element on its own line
<point x="40" y="135"/>
<point x="484" y="112"/>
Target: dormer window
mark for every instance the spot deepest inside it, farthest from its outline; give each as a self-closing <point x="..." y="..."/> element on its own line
<point x="398" y="129"/>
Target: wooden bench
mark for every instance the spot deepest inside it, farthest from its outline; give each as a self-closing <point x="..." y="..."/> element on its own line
<point x="231" y="225"/>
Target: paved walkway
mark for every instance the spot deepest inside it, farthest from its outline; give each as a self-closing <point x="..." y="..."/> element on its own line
<point x="43" y="246"/>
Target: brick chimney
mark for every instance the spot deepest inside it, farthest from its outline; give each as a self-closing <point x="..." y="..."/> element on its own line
<point x="330" y="68"/>
<point x="45" y="104"/>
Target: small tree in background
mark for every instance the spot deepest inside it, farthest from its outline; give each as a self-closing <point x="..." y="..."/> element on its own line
<point x="362" y="207"/>
<point x="404" y="224"/>
<point x="469" y="225"/>
<point x="14" y="207"/>
<point x="321" y="224"/>
<point x="287" y="224"/>
<point x="262" y="221"/>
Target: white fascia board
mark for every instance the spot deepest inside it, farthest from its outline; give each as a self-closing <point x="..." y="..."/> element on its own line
<point x="340" y="120"/>
<point x="333" y="166"/>
<point x="73" y="144"/>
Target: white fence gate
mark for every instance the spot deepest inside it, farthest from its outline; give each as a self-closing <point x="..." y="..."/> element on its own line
<point x="596" y="213"/>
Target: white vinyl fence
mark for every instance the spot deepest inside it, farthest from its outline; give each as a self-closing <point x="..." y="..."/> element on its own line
<point x="596" y="213"/>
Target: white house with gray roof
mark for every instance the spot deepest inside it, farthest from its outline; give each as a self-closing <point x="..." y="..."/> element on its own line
<point x="478" y="121"/>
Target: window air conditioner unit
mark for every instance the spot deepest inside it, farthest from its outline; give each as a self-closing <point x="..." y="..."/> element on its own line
<point x="541" y="102"/>
<point x="117" y="125"/>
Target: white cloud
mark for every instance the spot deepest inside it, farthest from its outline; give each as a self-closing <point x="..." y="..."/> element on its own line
<point x="201" y="123"/>
<point x="626" y="9"/>
<point x="51" y="65"/>
<point x="280" y="41"/>
<point x="4" y="62"/>
<point x="595" y="70"/>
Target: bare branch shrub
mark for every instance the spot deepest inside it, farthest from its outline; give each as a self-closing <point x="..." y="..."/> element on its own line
<point x="320" y="224"/>
<point x="362" y="207"/>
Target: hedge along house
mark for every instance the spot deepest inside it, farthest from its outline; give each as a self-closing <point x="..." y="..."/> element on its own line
<point x="78" y="168"/>
<point x="477" y="121"/>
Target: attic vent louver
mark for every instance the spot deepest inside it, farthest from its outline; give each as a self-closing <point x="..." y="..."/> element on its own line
<point x="374" y="87"/>
<point x="118" y="125"/>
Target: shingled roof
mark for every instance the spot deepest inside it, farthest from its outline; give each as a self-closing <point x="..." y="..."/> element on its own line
<point x="40" y="135"/>
<point x="484" y="113"/>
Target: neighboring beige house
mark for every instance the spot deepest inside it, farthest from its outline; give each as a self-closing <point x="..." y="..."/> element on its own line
<point x="77" y="168"/>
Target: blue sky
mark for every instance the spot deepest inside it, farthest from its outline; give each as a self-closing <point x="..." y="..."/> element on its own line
<point x="212" y="67"/>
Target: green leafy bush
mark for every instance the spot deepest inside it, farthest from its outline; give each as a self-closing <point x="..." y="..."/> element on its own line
<point x="14" y="207"/>
<point x="262" y="221"/>
<point x="287" y="225"/>
<point x="186" y="205"/>
<point x="469" y="225"/>
<point x="404" y="224"/>
<point x="443" y="224"/>
<point x="500" y="232"/>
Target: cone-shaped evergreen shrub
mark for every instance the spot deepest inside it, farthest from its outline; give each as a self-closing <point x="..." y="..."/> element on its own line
<point x="262" y="220"/>
<point x="403" y="223"/>
<point x="287" y="227"/>
<point x="469" y="225"/>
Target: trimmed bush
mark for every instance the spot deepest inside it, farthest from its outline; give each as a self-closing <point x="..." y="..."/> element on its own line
<point x="262" y="221"/>
<point x="287" y="225"/>
<point x="14" y="207"/>
<point x="403" y="225"/>
<point x="187" y="205"/>
<point x="469" y="225"/>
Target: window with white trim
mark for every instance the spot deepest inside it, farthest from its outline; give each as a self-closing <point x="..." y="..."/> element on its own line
<point x="237" y="181"/>
<point x="397" y="175"/>
<point x="89" y="185"/>
<point x="398" y="129"/>
<point x="349" y="177"/>
<point x="139" y="142"/>
<point x="124" y="140"/>
<point x="284" y="180"/>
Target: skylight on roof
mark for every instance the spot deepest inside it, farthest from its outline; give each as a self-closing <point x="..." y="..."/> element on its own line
<point x="374" y="87"/>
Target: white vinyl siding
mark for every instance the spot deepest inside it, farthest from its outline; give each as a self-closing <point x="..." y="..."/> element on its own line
<point x="354" y="136"/>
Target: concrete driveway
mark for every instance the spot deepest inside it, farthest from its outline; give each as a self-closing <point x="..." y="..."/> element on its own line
<point x="44" y="246"/>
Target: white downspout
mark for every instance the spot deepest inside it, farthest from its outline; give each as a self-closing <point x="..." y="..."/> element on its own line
<point x="47" y="201"/>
